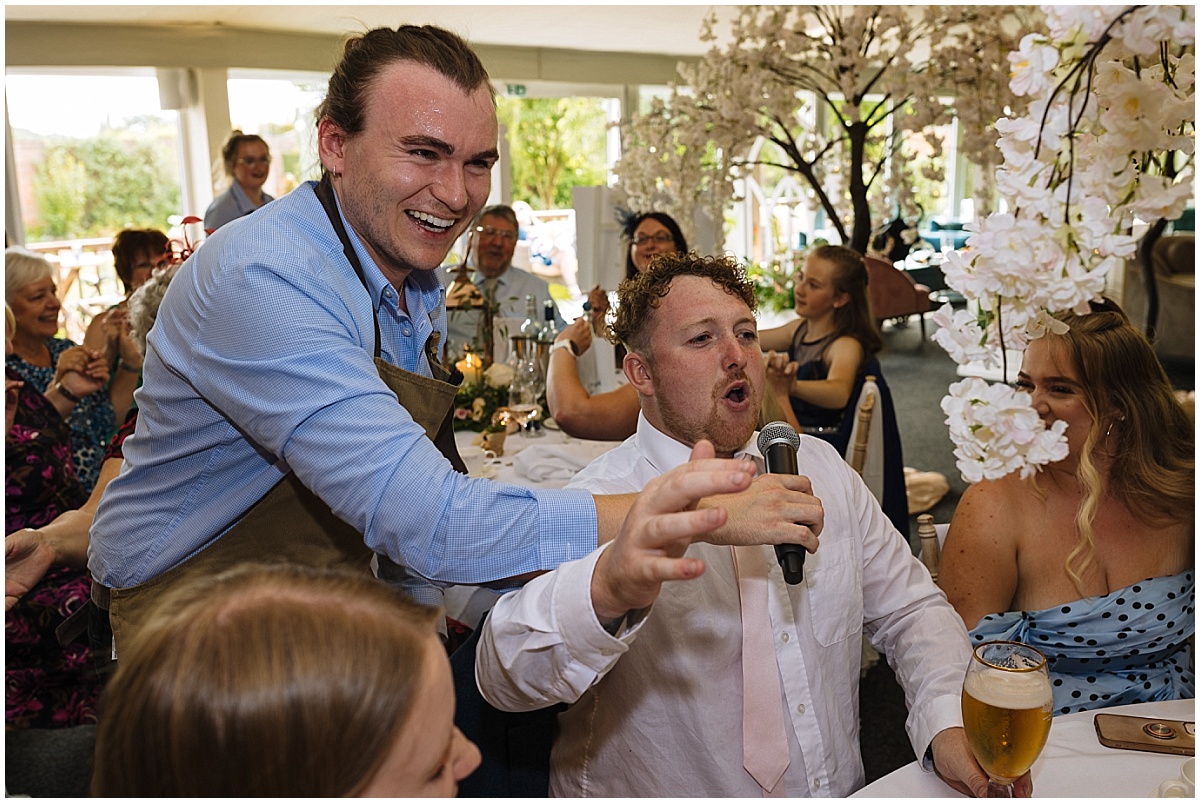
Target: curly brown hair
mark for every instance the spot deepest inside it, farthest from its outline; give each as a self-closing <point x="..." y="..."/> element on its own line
<point x="638" y="296"/>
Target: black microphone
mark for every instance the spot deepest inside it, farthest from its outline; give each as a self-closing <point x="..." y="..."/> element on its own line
<point x="779" y="445"/>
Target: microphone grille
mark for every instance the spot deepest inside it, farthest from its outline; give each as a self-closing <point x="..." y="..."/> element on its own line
<point x="777" y="431"/>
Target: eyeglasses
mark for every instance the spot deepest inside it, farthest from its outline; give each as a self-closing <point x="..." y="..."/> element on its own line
<point x="156" y="264"/>
<point x="661" y="237"/>
<point x="492" y="231"/>
<point x="254" y="160"/>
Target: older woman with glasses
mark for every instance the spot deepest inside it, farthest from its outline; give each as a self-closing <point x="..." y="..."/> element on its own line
<point x="247" y="162"/>
<point x="43" y="361"/>
<point x="611" y="415"/>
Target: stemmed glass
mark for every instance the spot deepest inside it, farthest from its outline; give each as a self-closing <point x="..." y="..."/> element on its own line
<point x="1007" y="705"/>
<point x="525" y="393"/>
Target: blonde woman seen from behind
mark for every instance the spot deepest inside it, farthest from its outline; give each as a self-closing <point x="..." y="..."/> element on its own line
<point x="283" y="681"/>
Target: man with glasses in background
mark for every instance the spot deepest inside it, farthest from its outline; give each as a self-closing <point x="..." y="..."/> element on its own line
<point x="494" y="239"/>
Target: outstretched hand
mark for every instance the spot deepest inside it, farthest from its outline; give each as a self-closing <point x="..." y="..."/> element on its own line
<point x="27" y="558"/>
<point x="660" y="526"/>
<point x="956" y="765"/>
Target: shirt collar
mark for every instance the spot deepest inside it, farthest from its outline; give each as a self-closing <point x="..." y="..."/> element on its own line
<point x="665" y="453"/>
<point x="503" y="279"/>
<point x="426" y="284"/>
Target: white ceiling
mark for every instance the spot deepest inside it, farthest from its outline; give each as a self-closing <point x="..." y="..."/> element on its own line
<point x="663" y="29"/>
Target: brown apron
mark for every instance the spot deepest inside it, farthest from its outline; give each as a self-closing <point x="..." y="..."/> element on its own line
<point x="290" y="523"/>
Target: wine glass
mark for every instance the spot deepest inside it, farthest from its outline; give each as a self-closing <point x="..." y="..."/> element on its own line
<point x="525" y="393"/>
<point x="1007" y="705"/>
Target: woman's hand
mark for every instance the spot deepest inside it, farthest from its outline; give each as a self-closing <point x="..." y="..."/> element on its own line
<point x="579" y="333"/>
<point x="780" y="373"/>
<point x="82" y="371"/>
<point x="598" y="298"/>
<point x="27" y="558"/>
<point x="12" y="397"/>
<point x="127" y="348"/>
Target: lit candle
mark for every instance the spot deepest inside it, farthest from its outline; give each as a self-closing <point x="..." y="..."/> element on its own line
<point x="471" y="366"/>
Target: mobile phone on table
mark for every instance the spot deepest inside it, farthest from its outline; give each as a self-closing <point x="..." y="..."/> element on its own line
<point x="1143" y="733"/>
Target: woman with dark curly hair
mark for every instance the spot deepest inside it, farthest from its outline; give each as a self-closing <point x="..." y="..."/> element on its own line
<point x="610" y="416"/>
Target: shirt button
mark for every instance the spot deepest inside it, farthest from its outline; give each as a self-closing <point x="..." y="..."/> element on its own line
<point x="785" y="638"/>
<point x="800" y="708"/>
<point x="817" y="784"/>
<point x="406" y="331"/>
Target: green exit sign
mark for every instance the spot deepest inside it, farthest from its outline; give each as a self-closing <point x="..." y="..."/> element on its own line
<point x="515" y="90"/>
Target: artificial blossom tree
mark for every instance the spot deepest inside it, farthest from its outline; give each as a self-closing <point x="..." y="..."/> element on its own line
<point x="1104" y="153"/>
<point x="839" y="93"/>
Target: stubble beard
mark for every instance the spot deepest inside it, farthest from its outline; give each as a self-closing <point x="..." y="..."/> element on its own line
<point x="727" y="436"/>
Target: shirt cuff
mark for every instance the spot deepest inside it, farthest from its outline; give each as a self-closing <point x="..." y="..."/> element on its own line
<point x="567" y="529"/>
<point x="930" y="719"/>
<point x="584" y="637"/>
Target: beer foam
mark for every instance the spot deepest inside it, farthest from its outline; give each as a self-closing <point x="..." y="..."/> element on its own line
<point x="1011" y="690"/>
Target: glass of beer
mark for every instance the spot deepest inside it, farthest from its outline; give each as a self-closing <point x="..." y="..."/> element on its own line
<point x="1007" y="706"/>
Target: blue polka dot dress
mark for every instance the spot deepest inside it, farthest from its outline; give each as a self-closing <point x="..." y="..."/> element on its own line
<point x="92" y="422"/>
<point x="1129" y="646"/>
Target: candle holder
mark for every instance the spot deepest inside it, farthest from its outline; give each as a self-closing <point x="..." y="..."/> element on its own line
<point x="462" y="294"/>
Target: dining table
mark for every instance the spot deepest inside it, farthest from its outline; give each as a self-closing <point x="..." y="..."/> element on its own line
<point x="546" y="461"/>
<point x="1073" y="763"/>
<point x="549" y="460"/>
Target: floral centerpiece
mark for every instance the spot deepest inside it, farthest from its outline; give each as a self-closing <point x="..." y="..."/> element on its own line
<point x="1105" y="148"/>
<point x="476" y="404"/>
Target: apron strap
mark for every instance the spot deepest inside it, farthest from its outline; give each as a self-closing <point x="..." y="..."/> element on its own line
<point x="324" y="192"/>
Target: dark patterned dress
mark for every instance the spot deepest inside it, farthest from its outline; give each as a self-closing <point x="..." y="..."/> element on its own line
<point x="92" y="421"/>
<point x="47" y="685"/>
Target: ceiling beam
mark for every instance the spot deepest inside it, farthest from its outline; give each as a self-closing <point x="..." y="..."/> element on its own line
<point x="45" y="44"/>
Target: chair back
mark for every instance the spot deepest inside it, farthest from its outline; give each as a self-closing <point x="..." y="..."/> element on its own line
<point x="932" y="536"/>
<point x="883" y="467"/>
<point x="860" y="432"/>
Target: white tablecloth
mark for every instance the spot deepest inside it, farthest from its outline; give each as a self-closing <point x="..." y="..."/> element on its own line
<point x="582" y="451"/>
<point x="468" y="604"/>
<point x="1073" y="764"/>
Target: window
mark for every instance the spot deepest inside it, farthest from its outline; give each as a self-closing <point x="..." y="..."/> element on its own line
<point x="279" y="107"/>
<point x="94" y="153"/>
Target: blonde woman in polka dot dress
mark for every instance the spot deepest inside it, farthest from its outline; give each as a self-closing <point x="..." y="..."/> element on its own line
<point x="1091" y="561"/>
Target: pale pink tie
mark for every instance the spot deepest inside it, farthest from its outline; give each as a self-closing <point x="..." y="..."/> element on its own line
<point x="764" y="740"/>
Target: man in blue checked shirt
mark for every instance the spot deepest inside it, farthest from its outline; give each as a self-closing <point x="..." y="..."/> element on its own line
<point x="269" y="425"/>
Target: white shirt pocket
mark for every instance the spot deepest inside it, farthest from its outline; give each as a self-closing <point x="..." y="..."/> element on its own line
<point x="835" y="603"/>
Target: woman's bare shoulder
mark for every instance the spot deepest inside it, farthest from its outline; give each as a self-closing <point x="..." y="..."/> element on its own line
<point x="994" y="503"/>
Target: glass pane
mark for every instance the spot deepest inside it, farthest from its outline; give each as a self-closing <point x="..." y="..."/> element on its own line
<point x="279" y="108"/>
<point x="94" y="155"/>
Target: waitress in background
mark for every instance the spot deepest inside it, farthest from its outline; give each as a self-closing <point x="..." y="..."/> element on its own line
<point x="247" y="162"/>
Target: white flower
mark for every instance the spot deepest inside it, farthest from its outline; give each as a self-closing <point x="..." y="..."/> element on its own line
<point x="1032" y="65"/>
<point x="498" y="375"/>
<point x="996" y="431"/>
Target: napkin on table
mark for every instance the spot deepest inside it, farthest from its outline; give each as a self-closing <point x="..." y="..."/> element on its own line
<point x="557" y="461"/>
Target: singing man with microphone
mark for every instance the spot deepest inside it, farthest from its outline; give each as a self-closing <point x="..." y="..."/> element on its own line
<point x="737" y="682"/>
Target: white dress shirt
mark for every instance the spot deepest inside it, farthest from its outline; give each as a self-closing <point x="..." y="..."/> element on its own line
<point x="657" y="711"/>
